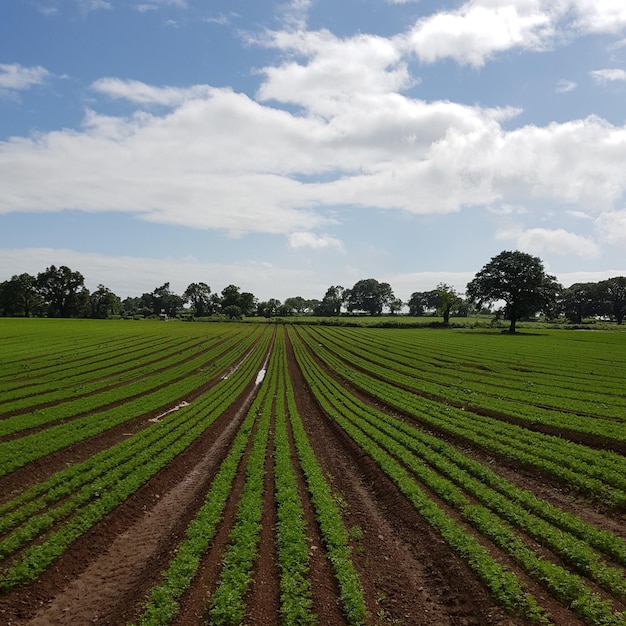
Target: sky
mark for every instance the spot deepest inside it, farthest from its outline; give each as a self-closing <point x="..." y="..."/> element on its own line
<point x="288" y="146"/>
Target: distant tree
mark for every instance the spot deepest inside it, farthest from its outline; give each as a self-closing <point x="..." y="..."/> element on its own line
<point x="199" y="296"/>
<point x="519" y="280"/>
<point x="331" y="303"/>
<point x="19" y="296"/>
<point x="232" y="311"/>
<point x="59" y="289"/>
<point x="613" y="293"/>
<point x="447" y="298"/>
<point x="395" y="306"/>
<point x="370" y="296"/>
<point x="297" y="305"/>
<point x="422" y="301"/>
<point x="103" y="302"/>
<point x="248" y="303"/>
<point x="165" y="301"/>
<point x="580" y="300"/>
<point x="231" y="296"/>
<point x="269" y="308"/>
<point x="131" y="306"/>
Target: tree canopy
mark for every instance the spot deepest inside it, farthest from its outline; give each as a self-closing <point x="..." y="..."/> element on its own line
<point x="519" y="280"/>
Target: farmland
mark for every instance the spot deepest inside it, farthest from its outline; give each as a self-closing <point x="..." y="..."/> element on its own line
<point x="196" y="473"/>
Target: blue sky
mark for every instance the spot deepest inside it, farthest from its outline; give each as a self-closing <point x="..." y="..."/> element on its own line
<point x="288" y="146"/>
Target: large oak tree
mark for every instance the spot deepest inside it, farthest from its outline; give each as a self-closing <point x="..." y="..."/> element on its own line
<point x="519" y="280"/>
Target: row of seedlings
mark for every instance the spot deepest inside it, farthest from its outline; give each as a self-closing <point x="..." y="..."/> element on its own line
<point x="482" y="392"/>
<point x="597" y="473"/>
<point x="71" y="501"/>
<point x="399" y="448"/>
<point x="165" y="389"/>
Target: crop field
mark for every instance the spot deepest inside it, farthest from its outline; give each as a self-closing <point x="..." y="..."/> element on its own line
<point x="156" y="473"/>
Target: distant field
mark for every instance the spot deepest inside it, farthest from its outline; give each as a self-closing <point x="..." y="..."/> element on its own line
<point x="224" y="473"/>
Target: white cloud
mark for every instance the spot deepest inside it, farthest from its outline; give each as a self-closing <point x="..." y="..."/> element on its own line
<point x="141" y="93"/>
<point x="311" y="240"/>
<point x="565" y="86"/>
<point x="15" y="77"/>
<point x="93" y="5"/>
<point x="600" y="16"/>
<point x="295" y="14"/>
<point x="612" y="227"/>
<point x="480" y="28"/>
<point x="559" y="241"/>
<point x="223" y="161"/>
<point x="155" y="5"/>
<point x="608" y="75"/>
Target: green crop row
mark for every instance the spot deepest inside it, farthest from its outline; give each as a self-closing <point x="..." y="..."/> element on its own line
<point x="19" y="452"/>
<point x="334" y="533"/>
<point x="99" y="396"/>
<point x="165" y="596"/>
<point x="594" y="472"/>
<point x="84" y="378"/>
<point x="84" y="483"/>
<point x="115" y="490"/>
<point x="363" y="425"/>
<point x="292" y="542"/>
<point x="227" y="604"/>
<point x="449" y="388"/>
<point x="505" y="585"/>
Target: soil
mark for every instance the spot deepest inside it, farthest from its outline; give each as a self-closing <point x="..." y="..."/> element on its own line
<point x="409" y="575"/>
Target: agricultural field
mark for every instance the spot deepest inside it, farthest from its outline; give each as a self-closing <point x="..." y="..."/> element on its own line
<point x="156" y="473"/>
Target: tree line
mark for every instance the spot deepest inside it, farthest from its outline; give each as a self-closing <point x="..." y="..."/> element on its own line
<point x="513" y="280"/>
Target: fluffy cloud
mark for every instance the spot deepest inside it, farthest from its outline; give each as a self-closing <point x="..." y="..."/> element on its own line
<point x="477" y="30"/>
<point x="608" y="75"/>
<point x="560" y="242"/>
<point x="311" y="240"/>
<point x="140" y="93"/>
<point x="221" y="160"/>
<point x="15" y="77"/>
<point x="612" y="227"/>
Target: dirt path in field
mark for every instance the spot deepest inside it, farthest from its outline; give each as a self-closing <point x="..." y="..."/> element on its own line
<point x="104" y="574"/>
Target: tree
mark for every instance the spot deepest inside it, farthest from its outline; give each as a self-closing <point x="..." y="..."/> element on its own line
<point x="103" y="302"/>
<point x="19" y="296"/>
<point x="59" y="288"/>
<point x="268" y="309"/>
<point x="165" y="301"/>
<point x="579" y="301"/>
<point x="447" y="297"/>
<point x="370" y="296"/>
<point x="232" y="296"/>
<point x="395" y="306"/>
<point x="296" y="304"/>
<point x="613" y="293"/>
<point x="332" y="302"/>
<point x="519" y="280"/>
<point x="421" y="301"/>
<point x="199" y="296"/>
